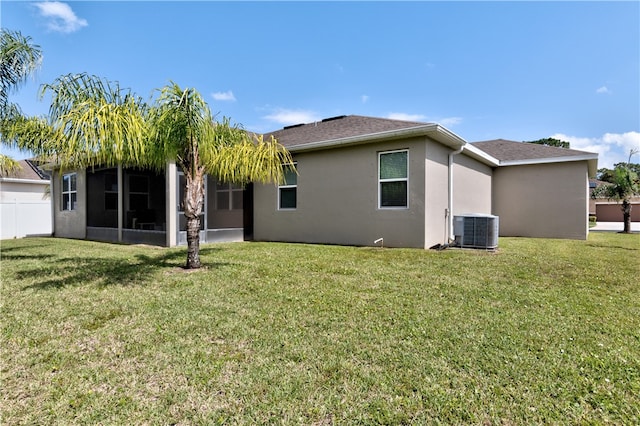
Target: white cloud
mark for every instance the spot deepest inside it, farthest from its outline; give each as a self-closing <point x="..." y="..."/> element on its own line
<point x="603" y="90"/>
<point x="224" y="96"/>
<point x="61" y="17"/>
<point x="406" y="117"/>
<point x="611" y="147"/>
<point x="449" y="121"/>
<point x="444" y="121"/>
<point x="288" y="116"/>
<point x="364" y="99"/>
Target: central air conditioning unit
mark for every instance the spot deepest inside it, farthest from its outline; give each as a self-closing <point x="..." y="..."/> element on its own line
<point x="476" y="231"/>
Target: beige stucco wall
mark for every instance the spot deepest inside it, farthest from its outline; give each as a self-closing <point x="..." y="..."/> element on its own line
<point x="471" y="190"/>
<point x="471" y="186"/>
<point x="543" y="200"/>
<point x="348" y="213"/>
<point x="436" y="177"/>
<point x="72" y="223"/>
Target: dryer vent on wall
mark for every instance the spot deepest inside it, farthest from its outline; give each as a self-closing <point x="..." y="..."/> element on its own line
<point x="476" y="231"/>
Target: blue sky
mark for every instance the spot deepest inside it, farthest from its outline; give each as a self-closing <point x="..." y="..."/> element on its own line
<point x="485" y="70"/>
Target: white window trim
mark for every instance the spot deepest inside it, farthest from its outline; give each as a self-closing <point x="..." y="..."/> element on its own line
<point x="68" y="191"/>
<point x="295" y="164"/>
<point x="380" y="181"/>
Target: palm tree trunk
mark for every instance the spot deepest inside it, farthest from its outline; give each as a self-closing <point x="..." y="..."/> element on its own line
<point x="193" y="243"/>
<point x="193" y="205"/>
<point x="626" y="215"/>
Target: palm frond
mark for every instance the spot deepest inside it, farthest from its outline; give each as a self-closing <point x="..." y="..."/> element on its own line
<point x="8" y="165"/>
<point x="97" y="122"/>
<point x="19" y="58"/>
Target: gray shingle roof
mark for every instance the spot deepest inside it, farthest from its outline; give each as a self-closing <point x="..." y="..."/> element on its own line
<point x="29" y="170"/>
<point x="505" y="150"/>
<point x="340" y="127"/>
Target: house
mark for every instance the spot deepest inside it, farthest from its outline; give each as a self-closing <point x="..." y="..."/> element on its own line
<point x="358" y="179"/>
<point x="137" y="206"/>
<point x="25" y="202"/>
<point x="606" y="210"/>
<point x="344" y="194"/>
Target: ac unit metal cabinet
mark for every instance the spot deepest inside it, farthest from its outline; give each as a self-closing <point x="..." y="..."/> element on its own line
<point x="476" y="231"/>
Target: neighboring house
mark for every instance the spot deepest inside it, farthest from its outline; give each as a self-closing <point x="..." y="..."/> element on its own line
<point x="25" y="202"/>
<point x="606" y="210"/>
<point x="359" y="179"/>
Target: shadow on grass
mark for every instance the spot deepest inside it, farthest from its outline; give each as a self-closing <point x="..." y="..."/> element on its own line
<point x="59" y="271"/>
<point x="610" y="246"/>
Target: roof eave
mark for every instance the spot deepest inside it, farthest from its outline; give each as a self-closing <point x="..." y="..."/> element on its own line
<point x="591" y="159"/>
<point x="480" y="155"/>
<point x="437" y="132"/>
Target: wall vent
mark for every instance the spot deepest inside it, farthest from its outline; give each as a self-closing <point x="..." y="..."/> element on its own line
<point x="476" y="231"/>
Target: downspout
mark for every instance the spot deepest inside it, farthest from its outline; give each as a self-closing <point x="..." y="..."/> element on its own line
<point x="449" y="212"/>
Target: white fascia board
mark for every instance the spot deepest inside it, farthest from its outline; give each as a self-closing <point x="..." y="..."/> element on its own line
<point x="480" y="155"/>
<point x="592" y="160"/>
<point x="30" y="181"/>
<point x="439" y="133"/>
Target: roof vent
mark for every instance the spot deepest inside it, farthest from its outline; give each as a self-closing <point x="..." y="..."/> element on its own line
<point x="337" y="117"/>
<point x="292" y="126"/>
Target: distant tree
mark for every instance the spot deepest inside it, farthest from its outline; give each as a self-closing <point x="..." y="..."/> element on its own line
<point x="19" y="58"/>
<point x="607" y="175"/>
<point x="551" y="142"/>
<point x="94" y="122"/>
<point x="622" y="184"/>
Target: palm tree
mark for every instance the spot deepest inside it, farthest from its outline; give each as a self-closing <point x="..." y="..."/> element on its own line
<point x="183" y="129"/>
<point x="19" y="58"/>
<point x="623" y="183"/>
<point x="95" y="122"/>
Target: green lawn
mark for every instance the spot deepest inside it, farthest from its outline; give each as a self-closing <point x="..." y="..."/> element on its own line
<point x="543" y="331"/>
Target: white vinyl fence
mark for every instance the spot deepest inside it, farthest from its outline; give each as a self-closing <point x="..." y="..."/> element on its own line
<point x="21" y="218"/>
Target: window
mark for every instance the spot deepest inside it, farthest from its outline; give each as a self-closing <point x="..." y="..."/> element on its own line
<point x="393" y="179"/>
<point x="228" y="196"/>
<point x="69" y="192"/>
<point x="287" y="192"/>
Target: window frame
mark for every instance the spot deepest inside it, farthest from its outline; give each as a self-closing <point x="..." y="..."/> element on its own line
<point x="288" y="186"/>
<point x="381" y="181"/>
<point x="68" y="191"/>
<point x="234" y="194"/>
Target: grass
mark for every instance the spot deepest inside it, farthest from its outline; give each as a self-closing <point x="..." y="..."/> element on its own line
<point x="543" y="331"/>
